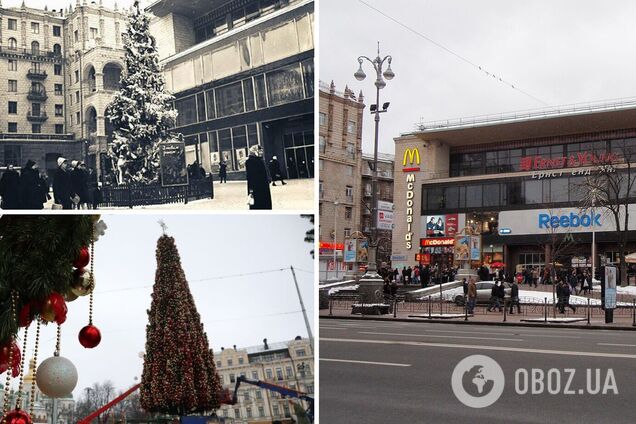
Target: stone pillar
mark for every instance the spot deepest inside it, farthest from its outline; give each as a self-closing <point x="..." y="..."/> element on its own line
<point x="99" y="81"/>
<point x="101" y="126"/>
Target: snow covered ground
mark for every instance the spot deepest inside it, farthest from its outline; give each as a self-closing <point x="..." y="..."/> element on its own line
<point x="296" y="195"/>
<point x="630" y="290"/>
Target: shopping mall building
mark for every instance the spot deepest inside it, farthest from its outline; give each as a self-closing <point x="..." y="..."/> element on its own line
<point x="508" y="180"/>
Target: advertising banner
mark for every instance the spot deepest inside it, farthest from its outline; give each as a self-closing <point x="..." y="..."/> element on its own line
<point x="350" y="246"/>
<point x="385" y="206"/>
<point x="462" y="248"/>
<point x="173" y="164"/>
<point x="362" y="254"/>
<point x="610" y="287"/>
<point x="385" y="220"/>
<point x="475" y="248"/>
<point x="435" y="226"/>
<point x="452" y="225"/>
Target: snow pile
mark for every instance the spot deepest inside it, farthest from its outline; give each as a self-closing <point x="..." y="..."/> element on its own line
<point x="335" y="290"/>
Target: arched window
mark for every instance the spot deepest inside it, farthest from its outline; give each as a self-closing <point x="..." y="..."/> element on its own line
<point x="35" y="48"/>
<point x="57" y="50"/>
<point x="13" y="44"/>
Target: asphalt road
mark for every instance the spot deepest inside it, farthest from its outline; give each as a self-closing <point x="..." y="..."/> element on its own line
<point x="383" y="372"/>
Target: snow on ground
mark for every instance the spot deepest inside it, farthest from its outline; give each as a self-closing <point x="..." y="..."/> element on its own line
<point x="296" y="195"/>
<point x="337" y="284"/>
<point x="335" y="290"/>
<point x="630" y="290"/>
<point x="558" y="319"/>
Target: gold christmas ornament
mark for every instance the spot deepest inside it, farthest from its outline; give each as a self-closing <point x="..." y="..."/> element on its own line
<point x="47" y="312"/>
<point x="70" y="296"/>
<point x="83" y="282"/>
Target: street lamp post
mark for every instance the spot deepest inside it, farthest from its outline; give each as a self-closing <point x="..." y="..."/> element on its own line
<point x="335" y="236"/>
<point x="380" y="83"/>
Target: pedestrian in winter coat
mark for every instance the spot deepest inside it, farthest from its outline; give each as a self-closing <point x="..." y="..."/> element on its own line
<point x="30" y="187"/>
<point x="79" y="182"/>
<point x="514" y="297"/>
<point x="494" y="298"/>
<point x="10" y="189"/>
<point x="472" y="295"/>
<point x="465" y="286"/>
<point x="223" y="172"/>
<point x="62" y="185"/>
<point x="275" y="172"/>
<point x="257" y="181"/>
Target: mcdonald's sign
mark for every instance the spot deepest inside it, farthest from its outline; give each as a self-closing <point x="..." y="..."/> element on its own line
<point x="411" y="157"/>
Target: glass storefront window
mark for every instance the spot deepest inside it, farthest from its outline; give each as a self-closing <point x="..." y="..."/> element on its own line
<point x="229" y="100"/>
<point x="201" y="107"/>
<point x="248" y="90"/>
<point x="261" y="94"/>
<point x="532" y="192"/>
<point x="473" y="196"/>
<point x="308" y="77"/>
<point x="210" y="104"/>
<point x="252" y="134"/>
<point x="284" y="85"/>
<point x="187" y="111"/>
<point x="491" y="195"/>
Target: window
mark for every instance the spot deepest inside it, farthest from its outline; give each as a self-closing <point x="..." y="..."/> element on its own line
<point x="232" y="378"/>
<point x="76" y="35"/>
<point x="288" y="371"/>
<point x="77" y="118"/>
<point x="286" y="409"/>
<point x="237" y="413"/>
<point x="13" y="107"/>
<point x="36" y="109"/>
<point x="36" y="128"/>
<point x="259" y="395"/>
<point x="13" y="24"/>
<point x="13" y="65"/>
<point x="349" y="170"/>
<point x="275" y="410"/>
<point x="57" y="31"/>
<point x="268" y="373"/>
<point x="351" y="151"/>
<point x="261" y="411"/>
<point x="35" y="28"/>
<point x="284" y="85"/>
<point x="322" y="118"/>
<point x="246" y="395"/>
<point x="348" y="212"/>
<point x="57" y="69"/>
<point x="229" y="100"/>
<point x="187" y="111"/>
<point x="77" y="96"/>
<point x="76" y="77"/>
<point x="347" y="232"/>
<point x="13" y="86"/>
<point x="93" y="33"/>
<point x="241" y="360"/>
<point x="279" y="373"/>
<point x="12" y="127"/>
<point x="230" y="362"/>
<point x="308" y="76"/>
<point x="322" y="143"/>
<point x="248" y="411"/>
<point x="349" y="192"/>
<point x="261" y="92"/>
<point x="255" y="375"/>
<point x="351" y="127"/>
<point x="248" y="93"/>
<point x="59" y="128"/>
<point x="218" y="364"/>
<point x="13" y="44"/>
<point x="13" y="155"/>
<point x="58" y="89"/>
<point x="57" y="50"/>
<point x="35" y="48"/>
<point x="59" y="110"/>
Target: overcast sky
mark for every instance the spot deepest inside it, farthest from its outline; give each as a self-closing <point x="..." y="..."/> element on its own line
<point x="562" y="52"/>
<point x="238" y="310"/>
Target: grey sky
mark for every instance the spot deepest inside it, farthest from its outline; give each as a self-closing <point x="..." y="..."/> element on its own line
<point x="239" y="310"/>
<point x="564" y="52"/>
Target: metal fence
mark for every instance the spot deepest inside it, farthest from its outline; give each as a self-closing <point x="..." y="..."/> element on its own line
<point x="143" y="195"/>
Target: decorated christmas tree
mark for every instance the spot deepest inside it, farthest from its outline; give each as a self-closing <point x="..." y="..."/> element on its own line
<point x="141" y="112"/>
<point x="179" y="375"/>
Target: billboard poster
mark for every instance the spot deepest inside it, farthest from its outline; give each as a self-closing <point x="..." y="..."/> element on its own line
<point x="462" y="248"/>
<point x="475" y="248"/>
<point x="241" y="157"/>
<point x="435" y="226"/>
<point x="215" y="158"/>
<point x="173" y="164"/>
<point x="350" y="250"/>
<point x="610" y="287"/>
<point x="452" y="222"/>
<point x="363" y="250"/>
<point x="385" y="220"/>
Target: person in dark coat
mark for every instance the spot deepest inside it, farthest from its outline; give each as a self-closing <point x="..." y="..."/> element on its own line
<point x="62" y="185"/>
<point x="257" y="180"/>
<point x="223" y="172"/>
<point x="79" y="181"/>
<point x="514" y="296"/>
<point x="30" y="189"/>
<point x="275" y="172"/>
<point x="10" y="189"/>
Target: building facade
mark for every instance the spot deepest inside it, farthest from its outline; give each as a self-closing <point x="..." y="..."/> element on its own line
<point x="288" y="364"/>
<point x="515" y="184"/>
<point x="385" y="202"/>
<point x="242" y="73"/>
<point x="61" y="68"/>
<point x="340" y="153"/>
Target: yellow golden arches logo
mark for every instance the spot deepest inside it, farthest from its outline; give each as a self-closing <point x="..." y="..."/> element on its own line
<point x="413" y="155"/>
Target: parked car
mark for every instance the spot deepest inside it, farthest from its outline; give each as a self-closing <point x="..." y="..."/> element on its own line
<point x="484" y="288"/>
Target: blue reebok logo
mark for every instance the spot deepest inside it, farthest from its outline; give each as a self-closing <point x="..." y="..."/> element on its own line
<point x="572" y="220"/>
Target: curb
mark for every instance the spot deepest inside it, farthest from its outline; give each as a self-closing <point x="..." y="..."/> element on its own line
<point x="501" y="324"/>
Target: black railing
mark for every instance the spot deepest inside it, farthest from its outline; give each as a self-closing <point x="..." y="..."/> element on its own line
<point x="39" y="117"/>
<point x="41" y="54"/>
<point x="143" y="195"/>
<point x="53" y="137"/>
<point x="37" y="94"/>
<point x="37" y="74"/>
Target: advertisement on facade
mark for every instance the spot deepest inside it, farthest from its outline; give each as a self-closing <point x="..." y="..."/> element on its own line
<point x="452" y="224"/>
<point x="610" y="287"/>
<point x="475" y="248"/>
<point x="468" y="248"/>
<point x="435" y="226"/>
<point x="559" y="221"/>
<point x="173" y="164"/>
<point x="350" y="250"/>
<point x="362" y="254"/>
<point x="385" y="220"/>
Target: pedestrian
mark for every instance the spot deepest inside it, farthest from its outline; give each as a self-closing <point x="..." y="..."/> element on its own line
<point x="275" y="172"/>
<point x="494" y="298"/>
<point x="223" y="172"/>
<point x="535" y="276"/>
<point x="62" y="185"/>
<point x="257" y="180"/>
<point x="565" y="298"/>
<point x="79" y="181"/>
<point x="416" y="275"/>
<point x="572" y="281"/>
<point x="426" y="276"/>
<point x="10" y="188"/>
<point x="465" y="287"/>
<point x="31" y="196"/>
<point x="514" y="297"/>
<point x="472" y="295"/>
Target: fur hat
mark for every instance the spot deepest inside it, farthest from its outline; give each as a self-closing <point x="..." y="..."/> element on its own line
<point x="74" y="164"/>
<point x="60" y="161"/>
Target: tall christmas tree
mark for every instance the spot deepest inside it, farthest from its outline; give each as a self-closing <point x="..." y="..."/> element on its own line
<point x="141" y="112"/>
<point x="179" y="375"/>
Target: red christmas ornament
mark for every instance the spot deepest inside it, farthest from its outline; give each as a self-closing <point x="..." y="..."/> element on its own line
<point x="82" y="259"/>
<point x="60" y="317"/>
<point x="25" y="317"/>
<point x="17" y="416"/>
<point x="89" y="336"/>
<point x="15" y="358"/>
<point x="54" y="308"/>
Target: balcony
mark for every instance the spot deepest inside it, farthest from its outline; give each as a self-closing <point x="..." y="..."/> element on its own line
<point x="38" y="94"/>
<point x="41" y="117"/>
<point x="36" y="74"/>
<point x="30" y="53"/>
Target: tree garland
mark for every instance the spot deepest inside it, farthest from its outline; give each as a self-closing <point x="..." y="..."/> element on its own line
<point x="36" y="259"/>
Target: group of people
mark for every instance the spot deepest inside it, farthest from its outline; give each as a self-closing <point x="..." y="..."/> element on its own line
<point x="75" y="186"/>
<point x="27" y="188"/>
<point x="423" y="275"/>
<point x="579" y="280"/>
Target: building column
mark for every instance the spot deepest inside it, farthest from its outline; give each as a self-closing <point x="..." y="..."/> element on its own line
<point x="101" y="126"/>
<point x="99" y="81"/>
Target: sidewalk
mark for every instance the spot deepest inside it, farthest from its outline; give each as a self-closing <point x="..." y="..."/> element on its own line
<point x="413" y="312"/>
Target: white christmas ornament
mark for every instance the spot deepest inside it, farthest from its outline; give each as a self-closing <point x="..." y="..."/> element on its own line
<point x="56" y="377"/>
